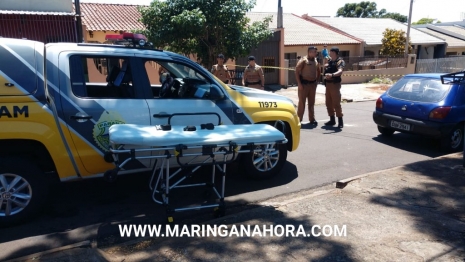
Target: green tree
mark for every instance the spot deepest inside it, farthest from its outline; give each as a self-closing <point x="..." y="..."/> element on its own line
<point x="368" y="9"/>
<point x="396" y="16"/>
<point x="393" y="43"/>
<point x="362" y="9"/>
<point x="424" y="21"/>
<point x="204" y="28"/>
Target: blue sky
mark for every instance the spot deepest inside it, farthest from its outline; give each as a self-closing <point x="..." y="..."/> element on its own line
<point x="444" y="10"/>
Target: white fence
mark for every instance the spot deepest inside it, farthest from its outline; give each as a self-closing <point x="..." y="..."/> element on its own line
<point x="440" y="65"/>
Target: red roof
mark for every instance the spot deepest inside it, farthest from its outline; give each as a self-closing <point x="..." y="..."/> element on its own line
<point x="110" y="17"/>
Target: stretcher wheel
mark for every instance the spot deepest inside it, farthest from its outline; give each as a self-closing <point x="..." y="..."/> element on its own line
<point x="111" y="175"/>
<point x="219" y="211"/>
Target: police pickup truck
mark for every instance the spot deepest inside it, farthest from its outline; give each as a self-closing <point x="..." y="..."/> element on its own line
<point x="58" y="100"/>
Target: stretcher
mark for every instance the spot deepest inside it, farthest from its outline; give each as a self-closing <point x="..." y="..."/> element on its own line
<point x="192" y="147"/>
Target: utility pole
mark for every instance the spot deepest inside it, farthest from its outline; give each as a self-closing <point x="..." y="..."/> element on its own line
<point x="280" y="15"/>
<point x="408" y="28"/>
<point x="77" y="7"/>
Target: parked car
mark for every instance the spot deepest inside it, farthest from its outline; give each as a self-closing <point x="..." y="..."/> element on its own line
<point x="425" y="104"/>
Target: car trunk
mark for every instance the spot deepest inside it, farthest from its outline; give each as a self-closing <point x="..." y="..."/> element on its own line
<point x="408" y="109"/>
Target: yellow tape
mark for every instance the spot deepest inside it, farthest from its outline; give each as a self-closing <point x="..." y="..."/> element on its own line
<point x="293" y="69"/>
<point x="273" y="67"/>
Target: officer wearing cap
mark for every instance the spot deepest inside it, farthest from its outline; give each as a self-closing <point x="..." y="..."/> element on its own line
<point x="220" y="70"/>
<point x="253" y="75"/>
<point x="307" y="73"/>
<point x="333" y="72"/>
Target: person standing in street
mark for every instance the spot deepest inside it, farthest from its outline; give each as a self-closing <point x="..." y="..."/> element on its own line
<point x="253" y="75"/>
<point x="333" y="72"/>
<point x="220" y="70"/>
<point x="307" y="73"/>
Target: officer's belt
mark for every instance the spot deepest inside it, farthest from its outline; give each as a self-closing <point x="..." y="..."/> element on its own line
<point x="306" y="82"/>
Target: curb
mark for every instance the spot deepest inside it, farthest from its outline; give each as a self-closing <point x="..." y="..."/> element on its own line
<point x="85" y="243"/>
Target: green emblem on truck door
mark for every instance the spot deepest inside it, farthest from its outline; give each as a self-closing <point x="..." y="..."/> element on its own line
<point x="100" y="133"/>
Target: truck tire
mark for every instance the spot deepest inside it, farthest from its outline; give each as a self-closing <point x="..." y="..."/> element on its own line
<point x="23" y="190"/>
<point x="263" y="165"/>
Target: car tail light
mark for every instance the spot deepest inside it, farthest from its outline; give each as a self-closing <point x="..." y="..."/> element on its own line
<point x="439" y="112"/>
<point x="379" y="103"/>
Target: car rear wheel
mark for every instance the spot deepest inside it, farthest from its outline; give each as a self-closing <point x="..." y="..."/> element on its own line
<point x="23" y="188"/>
<point x="453" y="142"/>
<point x="385" y="131"/>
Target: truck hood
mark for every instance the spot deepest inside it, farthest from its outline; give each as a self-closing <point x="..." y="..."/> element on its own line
<point x="260" y="95"/>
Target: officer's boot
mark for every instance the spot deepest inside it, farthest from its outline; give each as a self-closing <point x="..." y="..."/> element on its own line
<point x="340" y="122"/>
<point x="331" y="122"/>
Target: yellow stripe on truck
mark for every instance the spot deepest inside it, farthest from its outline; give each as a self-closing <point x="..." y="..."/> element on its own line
<point x="284" y="111"/>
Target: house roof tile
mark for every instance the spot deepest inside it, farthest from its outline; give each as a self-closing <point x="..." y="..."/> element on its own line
<point x="451" y="41"/>
<point x="110" y="17"/>
<point x="455" y="29"/>
<point x="371" y="29"/>
<point x="298" y="31"/>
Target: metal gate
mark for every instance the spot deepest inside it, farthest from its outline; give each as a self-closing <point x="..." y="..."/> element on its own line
<point x="267" y="55"/>
<point x="440" y="65"/>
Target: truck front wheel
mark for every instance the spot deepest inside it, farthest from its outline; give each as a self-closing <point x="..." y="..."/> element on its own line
<point x="23" y="189"/>
<point x="264" y="165"/>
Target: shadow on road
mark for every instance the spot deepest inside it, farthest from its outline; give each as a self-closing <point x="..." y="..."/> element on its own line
<point x="412" y="143"/>
<point x="88" y="210"/>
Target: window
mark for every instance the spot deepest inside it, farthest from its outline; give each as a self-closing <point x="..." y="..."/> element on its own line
<point x="419" y="89"/>
<point x="451" y="53"/>
<point x="344" y="53"/>
<point x="268" y="61"/>
<point x="101" y="77"/>
<point x="369" y="53"/>
<point x="188" y="82"/>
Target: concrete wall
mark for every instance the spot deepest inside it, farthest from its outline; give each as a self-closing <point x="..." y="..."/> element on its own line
<point x="355" y="50"/>
<point x="363" y="76"/>
<point x="38" y="5"/>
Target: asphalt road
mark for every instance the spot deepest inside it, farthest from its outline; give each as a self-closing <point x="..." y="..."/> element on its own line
<point x="91" y="210"/>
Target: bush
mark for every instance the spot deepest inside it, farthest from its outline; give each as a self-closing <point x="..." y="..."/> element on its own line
<point x="381" y="80"/>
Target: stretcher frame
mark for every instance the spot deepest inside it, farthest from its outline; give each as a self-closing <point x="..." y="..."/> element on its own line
<point x="160" y="185"/>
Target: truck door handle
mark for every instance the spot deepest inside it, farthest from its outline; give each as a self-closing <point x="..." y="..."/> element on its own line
<point x="81" y="117"/>
<point x="9" y="84"/>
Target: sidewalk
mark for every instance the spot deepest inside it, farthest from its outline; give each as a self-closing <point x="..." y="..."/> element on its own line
<point x="349" y="92"/>
<point x="414" y="212"/>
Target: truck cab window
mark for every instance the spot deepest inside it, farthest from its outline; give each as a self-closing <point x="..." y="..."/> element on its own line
<point x="101" y="77"/>
<point x="182" y="81"/>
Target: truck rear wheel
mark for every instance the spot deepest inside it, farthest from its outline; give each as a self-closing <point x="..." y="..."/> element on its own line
<point x="23" y="190"/>
<point x="265" y="165"/>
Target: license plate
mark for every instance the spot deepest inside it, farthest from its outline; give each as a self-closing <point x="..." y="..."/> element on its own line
<point x="400" y="125"/>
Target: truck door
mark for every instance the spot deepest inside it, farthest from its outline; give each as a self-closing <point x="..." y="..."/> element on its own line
<point x="192" y="92"/>
<point x="101" y="90"/>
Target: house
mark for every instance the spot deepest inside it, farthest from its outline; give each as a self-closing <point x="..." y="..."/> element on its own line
<point x="370" y="30"/>
<point x="45" y="21"/>
<point x="453" y="35"/>
<point x="300" y="33"/>
<point x="102" y="19"/>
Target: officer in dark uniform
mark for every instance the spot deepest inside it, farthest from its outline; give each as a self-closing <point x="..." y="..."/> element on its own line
<point x="333" y="72"/>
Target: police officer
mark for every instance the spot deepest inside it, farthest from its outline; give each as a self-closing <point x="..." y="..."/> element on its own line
<point x="307" y="73"/>
<point x="333" y="72"/>
<point x="220" y="70"/>
<point x="253" y="75"/>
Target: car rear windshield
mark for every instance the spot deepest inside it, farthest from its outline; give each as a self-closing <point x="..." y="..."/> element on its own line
<point x="419" y="89"/>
